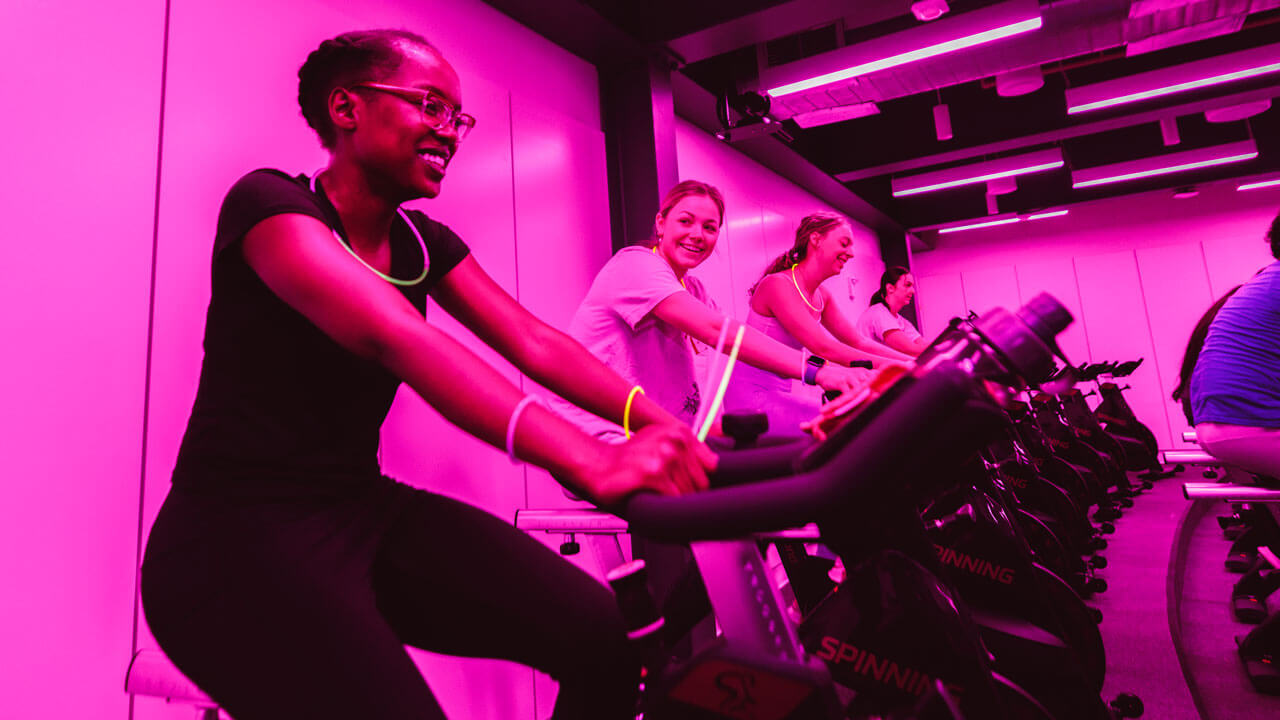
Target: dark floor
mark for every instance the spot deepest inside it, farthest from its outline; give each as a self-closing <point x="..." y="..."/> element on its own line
<point x="1208" y="628"/>
<point x="1141" y="657"/>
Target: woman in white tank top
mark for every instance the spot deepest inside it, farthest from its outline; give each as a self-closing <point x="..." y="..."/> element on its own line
<point x="790" y="305"/>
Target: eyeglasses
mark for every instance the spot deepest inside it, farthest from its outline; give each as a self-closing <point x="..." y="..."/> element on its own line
<point x="437" y="111"/>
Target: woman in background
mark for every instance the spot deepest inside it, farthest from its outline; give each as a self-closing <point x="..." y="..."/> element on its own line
<point x="883" y="321"/>
<point x="1235" y="388"/>
<point x="645" y="315"/>
<point x="790" y="305"/>
<point x="285" y="573"/>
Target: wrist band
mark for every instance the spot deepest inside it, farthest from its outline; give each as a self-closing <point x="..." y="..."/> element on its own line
<point x="626" y="412"/>
<point x="812" y="365"/>
<point x="511" y="425"/>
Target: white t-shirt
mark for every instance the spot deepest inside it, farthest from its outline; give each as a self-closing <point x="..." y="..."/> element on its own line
<point x="616" y="323"/>
<point x="876" y="320"/>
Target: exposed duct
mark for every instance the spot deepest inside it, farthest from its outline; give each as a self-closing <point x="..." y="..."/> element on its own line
<point x="1071" y="29"/>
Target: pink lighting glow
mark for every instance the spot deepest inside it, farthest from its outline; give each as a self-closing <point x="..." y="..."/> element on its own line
<point x="1032" y="162"/>
<point x="975" y="226"/>
<point x="1164" y="164"/>
<point x="988" y="221"/>
<point x="1176" y="79"/>
<point x="1050" y="214"/>
<point x="938" y="38"/>
<point x="1259" y="184"/>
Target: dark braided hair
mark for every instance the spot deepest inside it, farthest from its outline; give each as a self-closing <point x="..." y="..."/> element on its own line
<point x="345" y="60"/>
<point x="891" y="276"/>
<point x="820" y="223"/>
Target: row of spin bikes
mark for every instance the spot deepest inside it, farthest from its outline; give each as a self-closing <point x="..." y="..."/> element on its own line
<point x="967" y="502"/>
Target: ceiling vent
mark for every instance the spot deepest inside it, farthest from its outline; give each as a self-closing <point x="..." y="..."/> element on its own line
<point x="1158" y="24"/>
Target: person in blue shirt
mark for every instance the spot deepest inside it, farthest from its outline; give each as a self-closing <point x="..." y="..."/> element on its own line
<point x="1235" y="388"/>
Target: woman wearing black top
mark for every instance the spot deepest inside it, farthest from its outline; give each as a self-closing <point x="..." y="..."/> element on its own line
<point x="284" y="573"/>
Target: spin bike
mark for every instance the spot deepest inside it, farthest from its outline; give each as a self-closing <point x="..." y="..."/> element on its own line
<point x="892" y="640"/>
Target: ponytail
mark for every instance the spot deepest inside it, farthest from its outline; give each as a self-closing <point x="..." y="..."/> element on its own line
<point x="891" y="276"/>
<point x="820" y="223"/>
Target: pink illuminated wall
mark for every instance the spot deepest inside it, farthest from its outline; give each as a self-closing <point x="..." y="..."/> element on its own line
<point x="527" y="192"/>
<point x="78" y="192"/>
<point x="99" y="379"/>
<point x="1136" y="272"/>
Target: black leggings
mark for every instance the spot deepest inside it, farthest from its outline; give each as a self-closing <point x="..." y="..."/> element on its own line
<point x="300" y="606"/>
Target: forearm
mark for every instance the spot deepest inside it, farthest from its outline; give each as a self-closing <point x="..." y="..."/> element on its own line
<point x="845" y="354"/>
<point x="478" y="399"/>
<point x="878" y="353"/>
<point x="762" y="351"/>
<point x="561" y="364"/>
<point x="897" y="340"/>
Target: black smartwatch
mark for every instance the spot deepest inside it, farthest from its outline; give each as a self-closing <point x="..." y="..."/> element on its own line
<point x="811" y="367"/>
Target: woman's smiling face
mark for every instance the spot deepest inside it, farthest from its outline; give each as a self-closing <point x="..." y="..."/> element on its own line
<point x="687" y="234"/>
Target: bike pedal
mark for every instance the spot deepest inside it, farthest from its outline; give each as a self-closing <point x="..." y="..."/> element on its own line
<point x="1249" y="609"/>
<point x="1240" y="562"/>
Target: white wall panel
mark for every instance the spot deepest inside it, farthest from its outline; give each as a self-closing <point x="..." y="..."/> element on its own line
<point x="1111" y="297"/>
<point x="1058" y="278"/>
<point x="1231" y="263"/>
<point x="991" y="287"/>
<point x="206" y="149"/>
<point x="1176" y="294"/>
<point x="1184" y="249"/>
<point x="938" y="299"/>
<point x="79" y="142"/>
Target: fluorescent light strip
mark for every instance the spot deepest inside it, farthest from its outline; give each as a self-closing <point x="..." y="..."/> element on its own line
<point x="1178" y="78"/>
<point x="975" y="226"/>
<point x="1171" y="89"/>
<point x="979" y="172"/>
<point x="934" y="50"/>
<point x="1261" y="184"/>
<point x="1165" y="170"/>
<point x="981" y="178"/>
<point x="1050" y="214"/>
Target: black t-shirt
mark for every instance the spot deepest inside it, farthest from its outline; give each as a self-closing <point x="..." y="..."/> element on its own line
<point x="280" y="401"/>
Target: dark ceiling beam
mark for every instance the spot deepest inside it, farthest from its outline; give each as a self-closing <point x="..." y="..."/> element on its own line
<point x="640" y="144"/>
<point x="779" y="21"/>
<point x="697" y="105"/>
<point x="1066" y="133"/>
<point x="574" y="26"/>
<point x="636" y="111"/>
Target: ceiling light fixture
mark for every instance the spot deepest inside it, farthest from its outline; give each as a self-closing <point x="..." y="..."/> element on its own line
<point x="982" y="224"/>
<point x="988" y="221"/>
<point x="1164" y="164"/>
<point x="956" y="32"/>
<point x="1178" y="78"/>
<point x="1259" y="184"/>
<point x="1019" y="82"/>
<point x="942" y="122"/>
<point x="839" y="113"/>
<point x="1032" y="162"/>
<point x="1044" y="215"/>
<point x="926" y="10"/>
<point x="1234" y="113"/>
